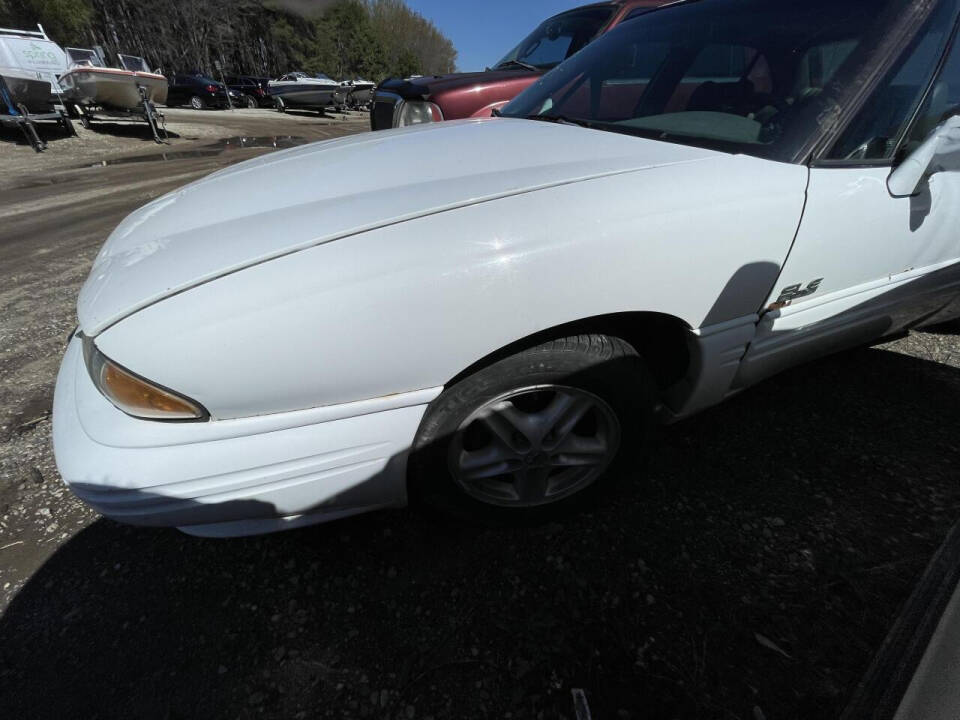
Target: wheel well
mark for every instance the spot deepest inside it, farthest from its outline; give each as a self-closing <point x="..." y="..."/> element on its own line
<point x="662" y="341"/>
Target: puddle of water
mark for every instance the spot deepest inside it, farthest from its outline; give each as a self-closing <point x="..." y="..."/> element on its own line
<point x="212" y="149"/>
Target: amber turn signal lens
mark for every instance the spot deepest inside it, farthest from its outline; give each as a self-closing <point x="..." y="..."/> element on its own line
<point x="135" y="395"/>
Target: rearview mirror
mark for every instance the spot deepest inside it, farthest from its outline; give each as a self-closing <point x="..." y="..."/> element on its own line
<point x="939" y="153"/>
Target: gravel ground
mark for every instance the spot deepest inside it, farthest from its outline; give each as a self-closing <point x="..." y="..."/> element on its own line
<point x="750" y="571"/>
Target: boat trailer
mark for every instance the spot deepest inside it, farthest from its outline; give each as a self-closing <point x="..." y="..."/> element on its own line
<point x="17" y="115"/>
<point x="146" y="112"/>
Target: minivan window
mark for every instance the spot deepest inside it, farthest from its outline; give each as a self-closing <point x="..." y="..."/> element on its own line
<point x="558" y="38"/>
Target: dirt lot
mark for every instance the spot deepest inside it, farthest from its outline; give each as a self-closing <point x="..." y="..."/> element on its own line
<point x="185" y="128"/>
<point x="751" y="571"/>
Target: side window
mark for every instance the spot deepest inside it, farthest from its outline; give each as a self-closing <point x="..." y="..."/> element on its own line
<point x="719" y="63"/>
<point x="716" y="81"/>
<point x="944" y="98"/>
<point x="818" y="66"/>
<point x="549" y="51"/>
<point x="874" y="133"/>
<point x="631" y="73"/>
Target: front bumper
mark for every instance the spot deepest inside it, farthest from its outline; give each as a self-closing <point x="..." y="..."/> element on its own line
<point x="233" y="477"/>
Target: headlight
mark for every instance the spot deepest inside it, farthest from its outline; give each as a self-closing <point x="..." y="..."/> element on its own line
<point x="418" y="112"/>
<point x="133" y="394"/>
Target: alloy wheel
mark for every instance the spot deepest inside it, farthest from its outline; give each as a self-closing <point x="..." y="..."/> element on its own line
<point x="534" y="446"/>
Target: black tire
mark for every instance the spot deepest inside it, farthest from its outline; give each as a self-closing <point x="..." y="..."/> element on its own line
<point x="251" y="102"/>
<point x="601" y="366"/>
<point x="197" y="103"/>
<point x="85" y="121"/>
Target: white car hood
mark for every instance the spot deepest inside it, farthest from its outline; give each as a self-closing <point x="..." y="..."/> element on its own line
<point x="298" y="198"/>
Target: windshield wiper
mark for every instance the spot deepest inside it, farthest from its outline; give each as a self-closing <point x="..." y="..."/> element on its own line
<point x="559" y="119"/>
<point x="517" y="63"/>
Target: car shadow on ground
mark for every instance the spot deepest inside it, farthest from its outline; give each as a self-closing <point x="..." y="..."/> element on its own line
<point x="131" y="129"/>
<point x="757" y="562"/>
<point x="328" y="113"/>
<point x="53" y="134"/>
<point x="949" y="328"/>
<point x="48" y="131"/>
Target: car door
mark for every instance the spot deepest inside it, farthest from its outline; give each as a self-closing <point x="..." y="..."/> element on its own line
<point x="865" y="264"/>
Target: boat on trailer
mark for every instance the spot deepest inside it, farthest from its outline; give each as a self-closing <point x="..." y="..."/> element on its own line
<point x="90" y="83"/>
<point x="96" y="92"/>
<point x="301" y="91"/>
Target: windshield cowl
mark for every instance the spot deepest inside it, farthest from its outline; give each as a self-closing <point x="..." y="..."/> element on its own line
<point x="508" y="64"/>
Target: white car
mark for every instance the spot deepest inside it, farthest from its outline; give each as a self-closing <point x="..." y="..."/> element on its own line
<point x="486" y="315"/>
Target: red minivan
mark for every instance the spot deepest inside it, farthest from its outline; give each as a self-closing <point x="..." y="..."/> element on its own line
<point x="399" y="103"/>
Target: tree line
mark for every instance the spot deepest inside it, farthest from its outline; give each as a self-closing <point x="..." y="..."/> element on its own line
<point x="345" y="39"/>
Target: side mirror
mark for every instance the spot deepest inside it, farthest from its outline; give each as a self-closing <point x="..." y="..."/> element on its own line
<point x="939" y="153"/>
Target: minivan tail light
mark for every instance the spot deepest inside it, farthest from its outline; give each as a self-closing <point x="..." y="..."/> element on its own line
<point x="212" y="88"/>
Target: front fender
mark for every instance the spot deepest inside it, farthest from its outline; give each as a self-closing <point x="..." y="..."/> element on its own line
<point x="408" y="306"/>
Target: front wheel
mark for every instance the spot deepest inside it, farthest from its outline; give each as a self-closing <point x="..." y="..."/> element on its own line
<point x="197" y="102"/>
<point x="250" y="101"/>
<point x="535" y="435"/>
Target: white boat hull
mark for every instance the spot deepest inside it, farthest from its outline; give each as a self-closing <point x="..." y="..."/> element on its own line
<point x="308" y="95"/>
<point x="111" y="88"/>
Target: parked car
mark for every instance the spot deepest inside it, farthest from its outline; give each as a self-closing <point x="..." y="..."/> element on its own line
<point x="490" y="323"/>
<point x="199" y="92"/>
<point x="402" y="102"/>
<point x="251" y="91"/>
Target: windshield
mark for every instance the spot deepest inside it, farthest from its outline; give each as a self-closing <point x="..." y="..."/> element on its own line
<point x="133" y="63"/>
<point x="558" y="38"/>
<point x="748" y="76"/>
<point x="78" y="56"/>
